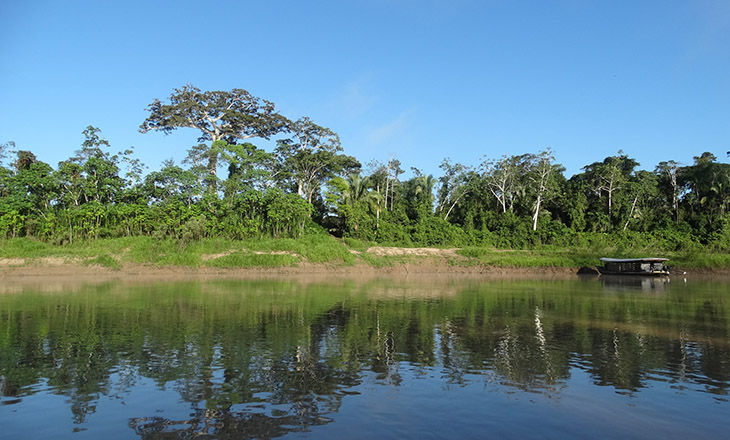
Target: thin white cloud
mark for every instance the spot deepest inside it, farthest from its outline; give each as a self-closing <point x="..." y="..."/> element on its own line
<point x="356" y="100"/>
<point x="395" y="128"/>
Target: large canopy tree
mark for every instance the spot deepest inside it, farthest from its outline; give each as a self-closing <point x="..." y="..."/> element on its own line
<point x="454" y="186"/>
<point x="707" y="197"/>
<point x="611" y="177"/>
<point x="503" y="178"/>
<point x="311" y="156"/>
<point x="5" y="150"/>
<point x="542" y="176"/>
<point x="667" y="173"/>
<point x="219" y="115"/>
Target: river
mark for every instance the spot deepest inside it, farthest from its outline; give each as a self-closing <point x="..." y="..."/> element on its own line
<point x="420" y="357"/>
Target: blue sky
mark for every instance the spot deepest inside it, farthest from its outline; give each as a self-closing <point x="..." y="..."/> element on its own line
<point x="419" y="80"/>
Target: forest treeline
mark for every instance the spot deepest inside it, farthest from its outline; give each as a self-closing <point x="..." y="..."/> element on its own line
<point x="228" y="187"/>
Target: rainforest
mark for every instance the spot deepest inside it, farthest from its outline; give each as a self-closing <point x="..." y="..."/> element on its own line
<point x="230" y="190"/>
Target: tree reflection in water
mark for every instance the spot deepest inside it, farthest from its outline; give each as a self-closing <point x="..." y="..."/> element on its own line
<point x="222" y="424"/>
<point x="263" y="359"/>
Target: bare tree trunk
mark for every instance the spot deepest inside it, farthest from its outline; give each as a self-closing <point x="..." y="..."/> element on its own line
<point x="446" y="217"/>
<point x="377" y="219"/>
<point x="675" y="199"/>
<point x="610" y="196"/>
<point x="633" y="206"/>
<point x="387" y="184"/>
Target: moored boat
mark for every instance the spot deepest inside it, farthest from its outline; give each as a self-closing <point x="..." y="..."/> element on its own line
<point x="634" y="266"/>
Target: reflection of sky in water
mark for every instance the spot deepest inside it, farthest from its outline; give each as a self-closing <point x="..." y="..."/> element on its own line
<point x="423" y="405"/>
<point x="516" y="360"/>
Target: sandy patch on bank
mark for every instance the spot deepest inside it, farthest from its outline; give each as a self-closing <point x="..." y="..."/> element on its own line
<point x="43" y="262"/>
<point x="419" y="252"/>
<point x="11" y="262"/>
<point x="209" y="257"/>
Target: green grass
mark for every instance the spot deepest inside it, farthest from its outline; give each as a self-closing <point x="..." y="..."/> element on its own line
<point x="148" y="250"/>
<point x="700" y="260"/>
<point x="531" y="258"/>
<point x="315" y="248"/>
<point x="23" y="248"/>
<point x="324" y="249"/>
<point x="358" y="245"/>
<point x="167" y="252"/>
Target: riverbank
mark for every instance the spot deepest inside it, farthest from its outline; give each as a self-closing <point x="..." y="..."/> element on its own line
<point x="313" y="255"/>
<point x="57" y="267"/>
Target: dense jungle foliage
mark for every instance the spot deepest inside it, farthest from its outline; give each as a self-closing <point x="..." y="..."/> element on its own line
<point x="229" y="188"/>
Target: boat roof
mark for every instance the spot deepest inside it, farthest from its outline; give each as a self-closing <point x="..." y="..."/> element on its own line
<point x="632" y="260"/>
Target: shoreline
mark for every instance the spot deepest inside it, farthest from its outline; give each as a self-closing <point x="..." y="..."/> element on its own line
<point x="66" y="276"/>
<point x="57" y="269"/>
<point x="314" y="256"/>
<point x="71" y="269"/>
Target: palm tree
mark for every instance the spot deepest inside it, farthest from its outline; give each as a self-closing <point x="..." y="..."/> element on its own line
<point x="356" y="187"/>
<point x="424" y="187"/>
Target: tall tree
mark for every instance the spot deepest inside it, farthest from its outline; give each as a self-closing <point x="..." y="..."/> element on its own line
<point x="642" y="188"/>
<point x="394" y="170"/>
<point x="573" y="206"/>
<point x="33" y="186"/>
<point x="91" y="146"/>
<point x="667" y="172"/>
<point x="418" y="195"/>
<point x="172" y="183"/>
<point x="542" y="174"/>
<point x="311" y="156"/>
<point x="249" y="167"/>
<point x="454" y="186"/>
<point x="707" y="183"/>
<point x="502" y="177"/>
<point x="610" y="177"/>
<point x="93" y="173"/>
<point x="219" y="116"/>
<point x="353" y="196"/>
<point x="5" y="151"/>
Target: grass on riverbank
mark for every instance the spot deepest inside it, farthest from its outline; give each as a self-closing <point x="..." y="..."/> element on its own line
<point x="530" y="258"/>
<point x="219" y="253"/>
<point x="318" y="249"/>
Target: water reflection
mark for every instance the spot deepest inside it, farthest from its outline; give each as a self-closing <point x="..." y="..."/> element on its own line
<point x="222" y="424"/>
<point x="635" y="282"/>
<point x="264" y="359"/>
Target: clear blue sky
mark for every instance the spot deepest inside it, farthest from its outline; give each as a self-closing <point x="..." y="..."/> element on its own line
<point x="417" y="79"/>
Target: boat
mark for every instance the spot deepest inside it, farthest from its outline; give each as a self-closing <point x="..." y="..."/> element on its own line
<point x="634" y="266"/>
